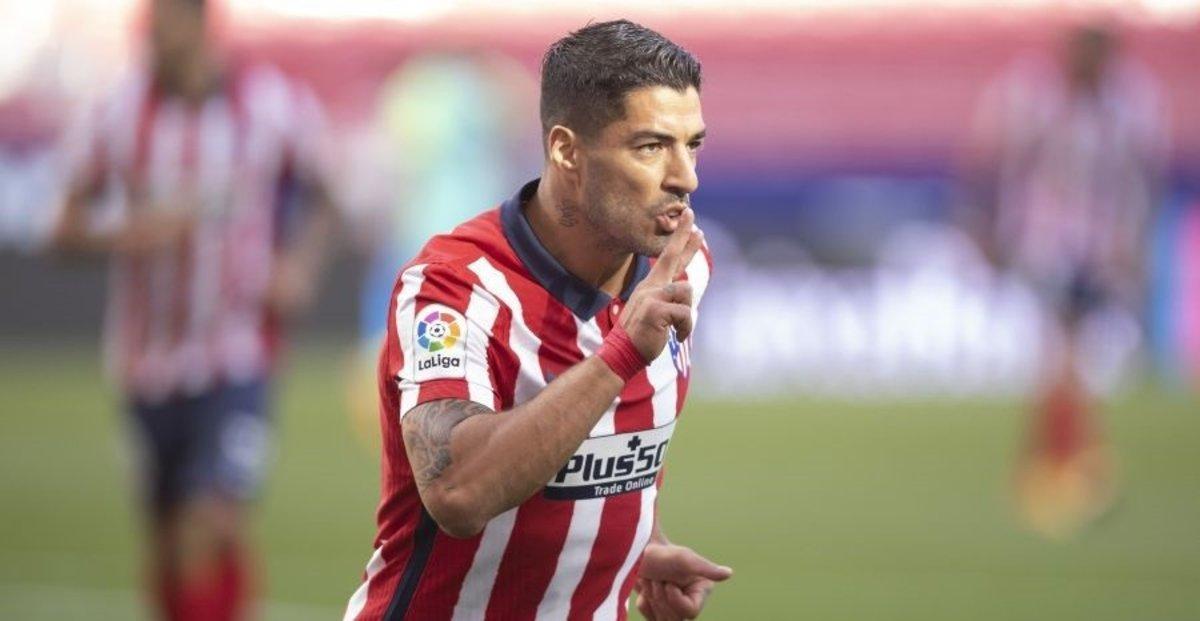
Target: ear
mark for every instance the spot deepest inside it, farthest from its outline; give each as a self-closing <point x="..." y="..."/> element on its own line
<point x="562" y="146"/>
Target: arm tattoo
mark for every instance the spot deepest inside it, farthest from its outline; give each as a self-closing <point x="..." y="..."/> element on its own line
<point x="426" y="430"/>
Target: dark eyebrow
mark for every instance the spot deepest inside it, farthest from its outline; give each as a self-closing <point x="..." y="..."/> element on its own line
<point x="646" y="133"/>
<point x="664" y="137"/>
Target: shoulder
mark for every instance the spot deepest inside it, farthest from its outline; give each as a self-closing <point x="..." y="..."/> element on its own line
<point x="121" y="104"/>
<point x="480" y="237"/>
<point x="453" y="261"/>
<point x="270" y="94"/>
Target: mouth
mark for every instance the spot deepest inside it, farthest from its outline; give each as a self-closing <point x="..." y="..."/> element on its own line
<point x="668" y="220"/>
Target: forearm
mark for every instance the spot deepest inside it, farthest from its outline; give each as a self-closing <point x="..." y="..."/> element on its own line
<point x="492" y="462"/>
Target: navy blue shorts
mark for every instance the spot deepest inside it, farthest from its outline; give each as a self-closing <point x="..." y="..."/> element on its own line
<point x="216" y="443"/>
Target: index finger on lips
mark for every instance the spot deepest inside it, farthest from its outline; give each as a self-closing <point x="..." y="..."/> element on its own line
<point x="682" y="245"/>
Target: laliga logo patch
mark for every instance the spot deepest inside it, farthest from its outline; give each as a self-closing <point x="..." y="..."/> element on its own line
<point x="680" y="353"/>
<point x="440" y="343"/>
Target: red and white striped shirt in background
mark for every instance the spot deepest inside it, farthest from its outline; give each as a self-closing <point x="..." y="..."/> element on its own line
<point x="486" y="314"/>
<point x="186" y="317"/>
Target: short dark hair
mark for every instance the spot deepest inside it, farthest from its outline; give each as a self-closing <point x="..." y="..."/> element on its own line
<point x="586" y="74"/>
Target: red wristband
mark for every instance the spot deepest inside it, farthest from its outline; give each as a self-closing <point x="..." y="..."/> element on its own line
<point x="621" y="355"/>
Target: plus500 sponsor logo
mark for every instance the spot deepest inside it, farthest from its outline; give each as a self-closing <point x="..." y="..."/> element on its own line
<point x="613" y="464"/>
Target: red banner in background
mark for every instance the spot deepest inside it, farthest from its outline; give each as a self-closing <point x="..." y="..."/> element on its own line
<point x="881" y="88"/>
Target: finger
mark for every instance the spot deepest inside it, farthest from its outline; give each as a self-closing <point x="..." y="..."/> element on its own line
<point x="681" y="604"/>
<point x="680" y="248"/>
<point x="678" y="291"/>
<point x="643" y="606"/>
<point x="699" y="566"/>
<point x="680" y="317"/>
<point x="698" y="591"/>
<point x="659" y="601"/>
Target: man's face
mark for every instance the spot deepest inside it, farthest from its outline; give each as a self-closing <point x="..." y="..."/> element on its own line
<point x="638" y="172"/>
<point x="1088" y="53"/>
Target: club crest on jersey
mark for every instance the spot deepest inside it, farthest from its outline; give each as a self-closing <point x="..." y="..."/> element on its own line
<point x="439" y="343"/>
<point x="680" y="353"/>
<point x="611" y="465"/>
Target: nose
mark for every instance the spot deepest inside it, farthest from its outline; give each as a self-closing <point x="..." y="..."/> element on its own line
<point x="681" y="176"/>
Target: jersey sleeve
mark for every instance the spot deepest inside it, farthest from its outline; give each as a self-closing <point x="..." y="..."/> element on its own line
<point x="440" y="338"/>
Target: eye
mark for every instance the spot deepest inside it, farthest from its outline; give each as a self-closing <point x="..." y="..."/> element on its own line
<point x="695" y="145"/>
<point x="649" y="148"/>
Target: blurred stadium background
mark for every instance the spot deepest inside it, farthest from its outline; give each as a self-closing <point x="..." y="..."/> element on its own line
<point x="861" y="370"/>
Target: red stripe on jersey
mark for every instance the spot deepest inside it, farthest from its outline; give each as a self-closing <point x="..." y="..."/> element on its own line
<point x="395" y="554"/>
<point x="438" y="589"/>
<point x="619" y="519"/>
<point x="541" y="524"/>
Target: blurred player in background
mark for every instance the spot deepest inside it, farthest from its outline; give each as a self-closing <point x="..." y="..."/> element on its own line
<point x="1068" y="163"/>
<point x="537" y="359"/>
<point x="443" y="158"/>
<point x="201" y="181"/>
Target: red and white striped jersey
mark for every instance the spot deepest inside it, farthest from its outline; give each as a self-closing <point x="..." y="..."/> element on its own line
<point x="486" y="314"/>
<point x="1077" y="174"/>
<point x="187" y="316"/>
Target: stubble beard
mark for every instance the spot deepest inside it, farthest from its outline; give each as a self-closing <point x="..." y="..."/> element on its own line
<point x="615" y="223"/>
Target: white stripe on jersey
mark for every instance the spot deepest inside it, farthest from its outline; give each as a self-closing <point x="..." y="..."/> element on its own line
<point x="662" y="375"/>
<point x="358" y="601"/>
<point x="477" y="585"/>
<point x="697" y="274"/>
<point x="482" y="311"/>
<point x="608" y="609"/>
<point x="523" y="342"/>
<point x="573" y="560"/>
<point x="406" y="310"/>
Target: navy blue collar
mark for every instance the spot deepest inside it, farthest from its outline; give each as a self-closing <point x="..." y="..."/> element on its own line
<point x="583" y="299"/>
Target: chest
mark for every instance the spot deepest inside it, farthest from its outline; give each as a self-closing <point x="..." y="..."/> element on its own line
<point x="212" y="158"/>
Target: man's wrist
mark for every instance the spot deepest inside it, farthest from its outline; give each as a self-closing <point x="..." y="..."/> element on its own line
<point x="621" y="355"/>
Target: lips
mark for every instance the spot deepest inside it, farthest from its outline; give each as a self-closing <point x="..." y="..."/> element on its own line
<point x="668" y="220"/>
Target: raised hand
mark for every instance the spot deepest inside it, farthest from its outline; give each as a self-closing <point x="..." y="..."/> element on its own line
<point x="660" y="302"/>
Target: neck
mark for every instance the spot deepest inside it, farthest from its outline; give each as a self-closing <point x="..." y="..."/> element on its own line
<point x="572" y="241"/>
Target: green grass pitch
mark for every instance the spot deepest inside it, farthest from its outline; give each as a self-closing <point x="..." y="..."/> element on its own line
<point x="826" y="510"/>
